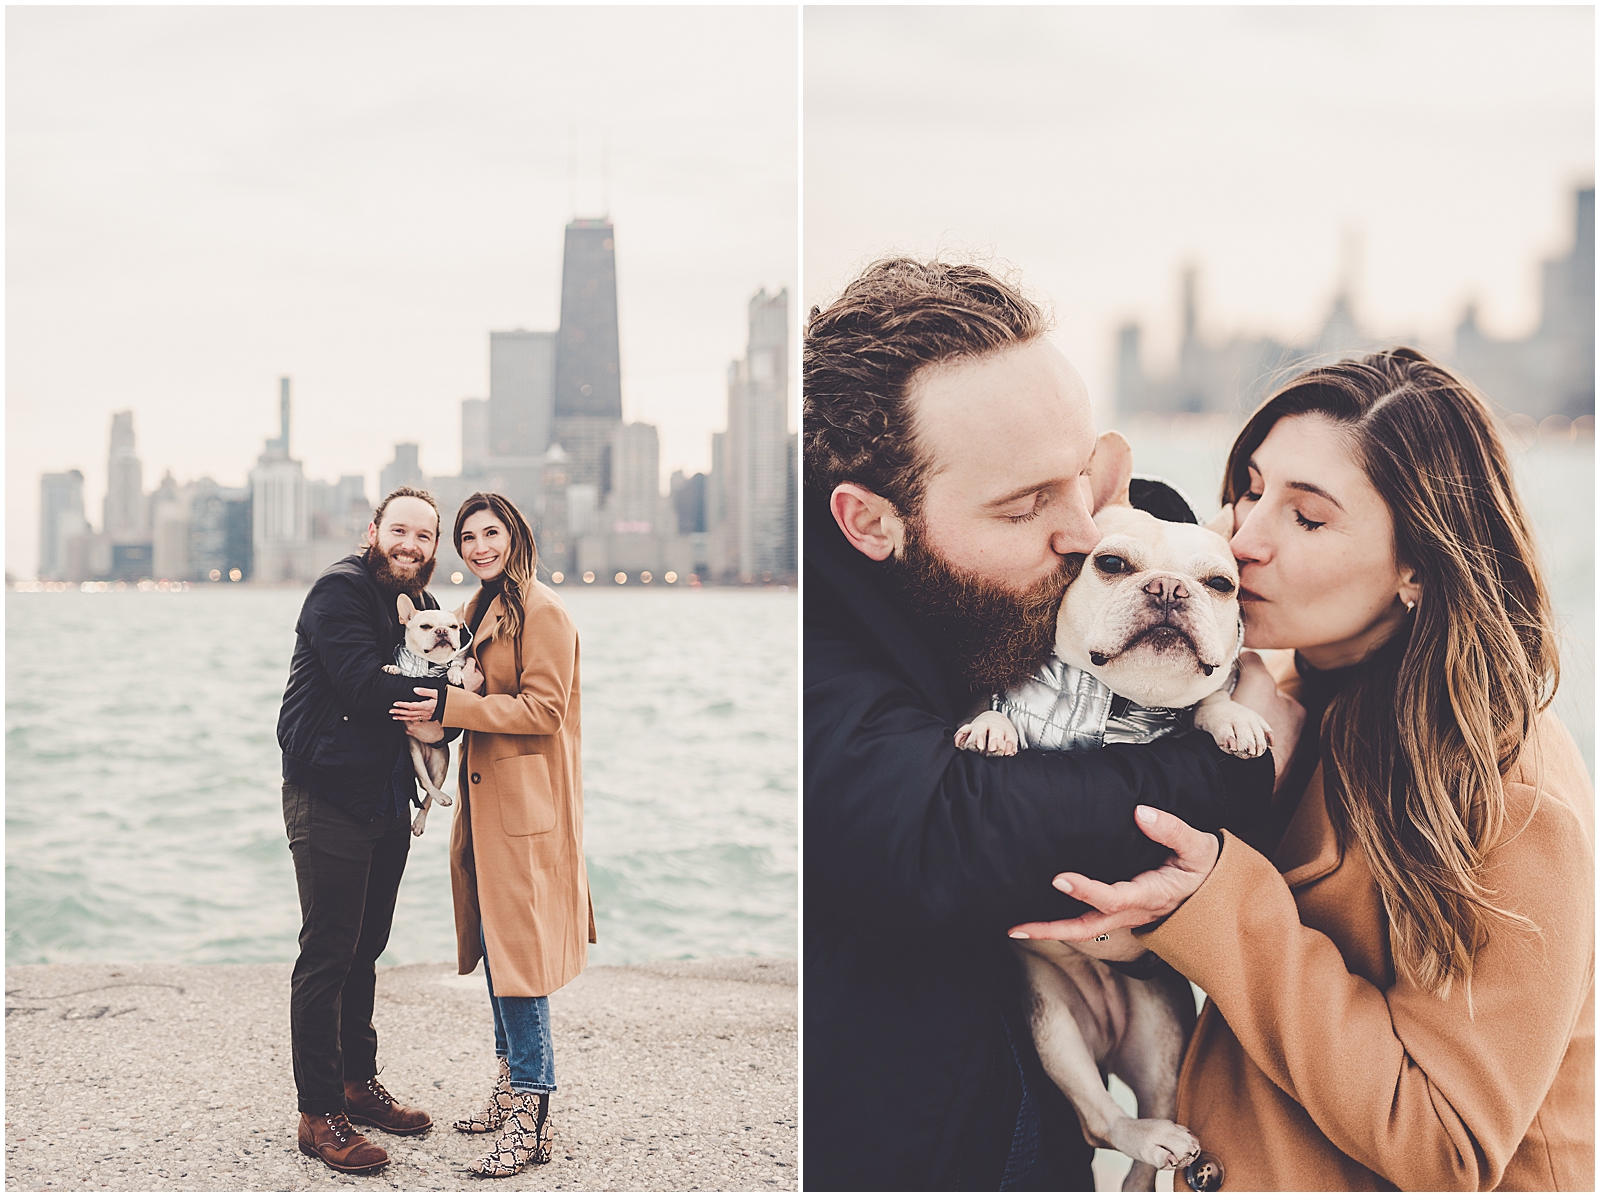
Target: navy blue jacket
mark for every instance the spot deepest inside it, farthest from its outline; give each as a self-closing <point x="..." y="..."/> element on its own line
<point x="918" y="857"/>
<point x="334" y="727"/>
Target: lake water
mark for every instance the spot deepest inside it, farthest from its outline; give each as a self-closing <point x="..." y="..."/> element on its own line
<point x="1554" y="476"/>
<point x="143" y="816"/>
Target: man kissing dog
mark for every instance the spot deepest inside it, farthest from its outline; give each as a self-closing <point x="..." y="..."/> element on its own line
<point x="348" y="789"/>
<point x="946" y="443"/>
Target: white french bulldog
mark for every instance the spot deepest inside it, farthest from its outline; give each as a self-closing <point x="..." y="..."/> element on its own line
<point x="1149" y="628"/>
<point x="435" y="645"/>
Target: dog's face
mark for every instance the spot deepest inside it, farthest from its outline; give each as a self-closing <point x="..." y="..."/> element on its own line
<point x="1154" y="614"/>
<point x="436" y="635"/>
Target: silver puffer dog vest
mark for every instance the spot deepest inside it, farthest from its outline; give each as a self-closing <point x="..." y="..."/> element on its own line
<point x="412" y="664"/>
<point x="1062" y="708"/>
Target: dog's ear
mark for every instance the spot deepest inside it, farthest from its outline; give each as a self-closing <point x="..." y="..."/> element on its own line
<point x="403" y="602"/>
<point x="1110" y="471"/>
<point x="1222" y="523"/>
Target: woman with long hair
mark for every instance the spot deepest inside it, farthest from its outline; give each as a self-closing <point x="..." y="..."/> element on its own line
<point x="516" y="846"/>
<point x="1400" y="982"/>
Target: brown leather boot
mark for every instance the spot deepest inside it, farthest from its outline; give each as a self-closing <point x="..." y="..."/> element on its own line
<point x="332" y="1139"/>
<point x="370" y="1104"/>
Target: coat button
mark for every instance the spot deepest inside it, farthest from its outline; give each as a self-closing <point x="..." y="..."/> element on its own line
<point x="1205" y="1173"/>
<point x="476" y="779"/>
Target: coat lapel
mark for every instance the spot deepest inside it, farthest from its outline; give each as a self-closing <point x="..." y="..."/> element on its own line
<point x="490" y="625"/>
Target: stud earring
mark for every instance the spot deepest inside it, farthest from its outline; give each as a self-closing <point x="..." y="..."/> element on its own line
<point x="1411" y="604"/>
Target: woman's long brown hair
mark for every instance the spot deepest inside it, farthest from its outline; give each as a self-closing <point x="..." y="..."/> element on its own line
<point x="1415" y="745"/>
<point x="522" y="555"/>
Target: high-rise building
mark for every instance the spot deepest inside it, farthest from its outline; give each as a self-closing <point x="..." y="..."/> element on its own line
<point x="123" y="514"/>
<point x="475" y="441"/>
<point x="753" y="470"/>
<point x="404" y="470"/>
<point x="169" y="529"/>
<point x="634" y="504"/>
<point x="280" y="511"/>
<point x="60" y="518"/>
<point x="521" y="392"/>
<point x="554" y="535"/>
<point x="688" y="501"/>
<point x="1550" y="372"/>
<point x="220" y="532"/>
<point x="588" y="381"/>
<point x="521" y="389"/>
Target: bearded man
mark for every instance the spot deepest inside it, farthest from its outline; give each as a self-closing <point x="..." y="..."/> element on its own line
<point x="946" y="508"/>
<point x="348" y="788"/>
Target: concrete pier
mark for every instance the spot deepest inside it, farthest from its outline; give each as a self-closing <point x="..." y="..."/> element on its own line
<point x="673" y="1076"/>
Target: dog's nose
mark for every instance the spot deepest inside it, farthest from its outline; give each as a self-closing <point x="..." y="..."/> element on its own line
<point x="1167" y="588"/>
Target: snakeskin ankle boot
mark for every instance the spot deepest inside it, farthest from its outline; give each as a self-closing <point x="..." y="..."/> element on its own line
<point x="525" y="1137"/>
<point x="494" y="1113"/>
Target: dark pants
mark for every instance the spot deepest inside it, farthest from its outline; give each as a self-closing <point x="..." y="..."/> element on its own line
<point x="348" y="874"/>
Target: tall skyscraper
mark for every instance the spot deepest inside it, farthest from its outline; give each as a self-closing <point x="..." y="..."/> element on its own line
<point x="123" y="514"/>
<point x="475" y="439"/>
<point x="588" y="381"/>
<point x="754" y="470"/>
<point x="404" y="470"/>
<point x="169" y="529"/>
<point x="521" y="382"/>
<point x="60" y="518"/>
<point x="280" y="510"/>
<point x="1550" y="372"/>
<point x="635" y="503"/>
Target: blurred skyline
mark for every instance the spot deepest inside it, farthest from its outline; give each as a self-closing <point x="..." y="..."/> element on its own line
<point x="200" y="200"/>
<point x="1426" y="157"/>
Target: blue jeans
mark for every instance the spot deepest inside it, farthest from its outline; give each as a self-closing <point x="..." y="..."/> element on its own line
<point x="522" y="1037"/>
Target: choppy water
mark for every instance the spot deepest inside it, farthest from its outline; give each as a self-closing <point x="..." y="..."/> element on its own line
<point x="143" y="816"/>
<point x="1554" y="477"/>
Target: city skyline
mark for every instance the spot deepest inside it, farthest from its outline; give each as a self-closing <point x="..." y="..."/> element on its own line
<point x="1432" y="150"/>
<point x="352" y="198"/>
<point x="597" y="511"/>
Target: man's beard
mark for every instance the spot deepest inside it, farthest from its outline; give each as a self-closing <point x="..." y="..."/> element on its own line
<point x="399" y="577"/>
<point x="992" y="636"/>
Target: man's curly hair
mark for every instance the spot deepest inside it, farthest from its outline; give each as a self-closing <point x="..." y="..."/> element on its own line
<point x="863" y="351"/>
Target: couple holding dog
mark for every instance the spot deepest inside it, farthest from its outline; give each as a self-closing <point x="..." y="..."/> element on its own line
<point x="1391" y="913"/>
<point x="516" y="847"/>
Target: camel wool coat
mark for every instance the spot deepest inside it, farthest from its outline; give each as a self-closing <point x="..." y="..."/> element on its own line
<point x="1314" y="1067"/>
<point x="516" y="844"/>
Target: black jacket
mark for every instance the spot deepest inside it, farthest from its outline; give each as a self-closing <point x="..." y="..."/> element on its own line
<point x="918" y="857"/>
<point x="334" y="727"/>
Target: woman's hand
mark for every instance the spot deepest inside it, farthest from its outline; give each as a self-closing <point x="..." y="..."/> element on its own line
<point x="1148" y="897"/>
<point x="472" y="680"/>
<point x="412" y="712"/>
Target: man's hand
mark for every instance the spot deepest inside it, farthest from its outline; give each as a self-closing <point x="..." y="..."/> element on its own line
<point x="1148" y="897"/>
<point x="1258" y="690"/>
<point x="425" y="731"/>
<point x="412" y="712"/>
<point x="471" y="677"/>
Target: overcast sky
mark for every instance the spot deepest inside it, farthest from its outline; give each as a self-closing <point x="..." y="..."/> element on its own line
<point x="1098" y="149"/>
<point x="199" y="200"/>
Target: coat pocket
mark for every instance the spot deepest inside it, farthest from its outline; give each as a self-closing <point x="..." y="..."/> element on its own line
<point x="522" y="785"/>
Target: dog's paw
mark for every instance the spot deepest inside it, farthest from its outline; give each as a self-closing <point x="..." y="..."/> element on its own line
<point x="991" y="733"/>
<point x="1157" y="1142"/>
<point x="1236" y="728"/>
<point x="391" y="669"/>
